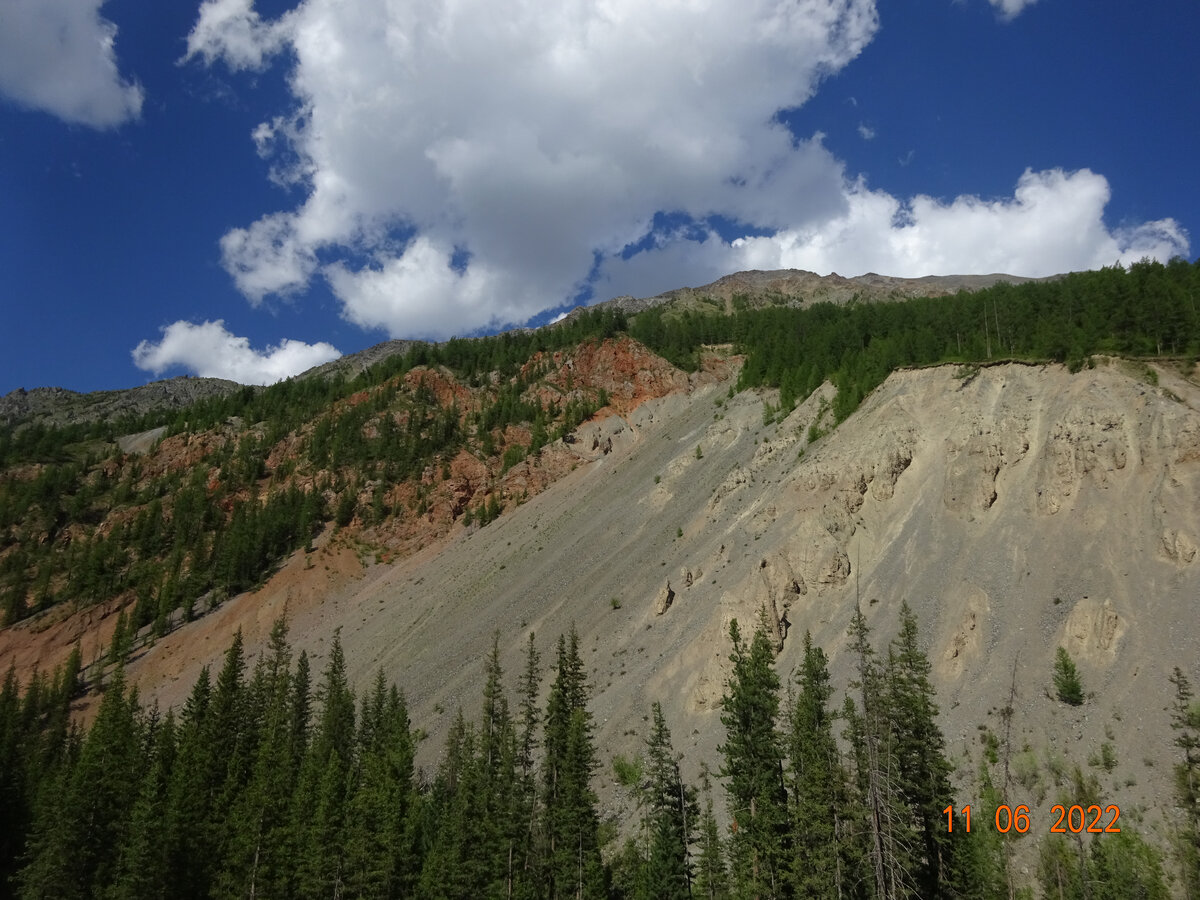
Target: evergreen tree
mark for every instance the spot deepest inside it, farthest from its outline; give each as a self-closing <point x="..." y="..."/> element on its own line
<point x="379" y="847"/>
<point x="886" y="824"/>
<point x="231" y="736"/>
<point x="452" y="868"/>
<point x="80" y="825"/>
<point x="1124" y="866"/>
<point x="753" y="765"/>
<point x="1068" y="686"/>
<point x="526" y="802"/>
<point x="672" y="816"/>
<point x="1060" y="873"/>
<point x="319" y="802"/>
<point x="502" y="810"/>
<point x="143" y="868"/>
<point x="712" y="879"/>
<point x="979" y="869"/>
<point x="122" y="639"/>
<point x="258" y="859"/>
<point x="189" y="830"/>
<point x="817" y="781"/>
<point x="572" y="854"/>
<point x="918" y="747"/>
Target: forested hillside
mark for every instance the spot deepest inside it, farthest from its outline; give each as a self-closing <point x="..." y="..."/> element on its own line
<point x="252" y="476"/>
<point x="235" y="483"/>
<point x="255" y="475"/>
<point x="267" y="784"/>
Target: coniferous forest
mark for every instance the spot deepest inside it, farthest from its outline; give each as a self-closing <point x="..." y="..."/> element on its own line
<point x="273" y="781"/>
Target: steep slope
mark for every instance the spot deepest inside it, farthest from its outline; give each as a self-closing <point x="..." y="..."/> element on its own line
<point x="1016" y="508"/>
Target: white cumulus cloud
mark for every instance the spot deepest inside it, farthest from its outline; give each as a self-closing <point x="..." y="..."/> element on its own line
<point x="58" y="56"/>
<point x="210" y="350"/>
<point x="233" y="31"/>
<point x="525" y="137"/>
<point x="1053" y="223"/>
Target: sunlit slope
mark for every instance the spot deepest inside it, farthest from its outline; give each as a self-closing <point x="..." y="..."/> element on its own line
<point x="1016" y="508"/>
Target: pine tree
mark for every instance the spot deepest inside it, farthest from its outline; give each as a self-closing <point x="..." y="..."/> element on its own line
<point x="232" y="733"/>
<point x="451" y="867"/>
<point x="753" y="765"/>
<point x="122" y="639"/>
<point x="192" y="790"/>
<point x="526" y="801"/>
<point x="1059" y="871"/>
<point x="1123" y="865"/>
<point x="79" y="827"/>
<point x="503" y="812"/>
<point x="379" y="851"/>
<point x="979" y="868"/>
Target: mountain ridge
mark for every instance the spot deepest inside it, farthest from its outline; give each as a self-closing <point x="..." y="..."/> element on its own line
<point x="57" y="406"/>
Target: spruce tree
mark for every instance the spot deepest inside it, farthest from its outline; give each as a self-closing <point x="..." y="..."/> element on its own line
<point x="502" y="811"/>
<point x="13" y="798"/>
<point x="453" y="866"/>
<point x="258" y="856"/>
<point x="79" y="827"/>
<point x="378" y="801"/>
<point x="817" y="781"/>
<point x="753" y="767"/>
<point x="671" y="816"/>
<point x="712" y="879"/>
<point x="1123" y="865"/>
<point x="572" y="865"/>
<point x="979" y="868"/>
<point x="319" y="807"/>
<point x="143" y="868"/>
<point x="885" y="823"/>
<point x="526" y="801"/>
<point x="191" y="793"/>
<point x="918" y="747"/>
<point x="1068" y="686"/>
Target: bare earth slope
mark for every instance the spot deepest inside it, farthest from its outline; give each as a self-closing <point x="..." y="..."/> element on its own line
<point x="1017" y="508"/>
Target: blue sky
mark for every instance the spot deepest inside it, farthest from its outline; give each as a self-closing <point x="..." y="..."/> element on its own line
<point x="245" y="189"/>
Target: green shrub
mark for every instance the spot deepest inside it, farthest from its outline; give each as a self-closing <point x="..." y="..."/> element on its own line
<point x="628" y="772"/>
